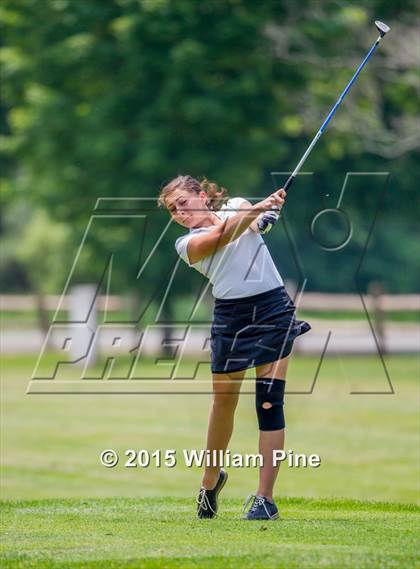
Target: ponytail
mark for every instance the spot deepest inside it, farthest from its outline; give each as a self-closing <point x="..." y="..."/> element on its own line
<point x="216" y="196"/>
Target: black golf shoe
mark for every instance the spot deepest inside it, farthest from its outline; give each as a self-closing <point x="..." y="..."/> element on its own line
<point x="207" y="499"/>
<point x="261" y="509"/>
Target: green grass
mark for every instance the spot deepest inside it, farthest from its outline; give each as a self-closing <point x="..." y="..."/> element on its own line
<point x="163" y="533"/>
<point x="368" y="443"/>
<point x="63" y="509"/>
<point x="394" y="316"/>
<point x="28" y="318"/>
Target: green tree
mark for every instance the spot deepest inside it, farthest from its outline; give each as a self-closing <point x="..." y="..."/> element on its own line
<point x="41" y="248"/>
<point x="112" y="98"/>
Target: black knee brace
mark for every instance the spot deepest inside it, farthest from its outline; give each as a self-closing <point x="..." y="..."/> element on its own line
<point x="269" y="400"/>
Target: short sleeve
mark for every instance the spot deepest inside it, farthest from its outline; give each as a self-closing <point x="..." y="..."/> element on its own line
<point x="181" y="248"/>
<point x="231" y="208"/>
<point x="235" y="203"/>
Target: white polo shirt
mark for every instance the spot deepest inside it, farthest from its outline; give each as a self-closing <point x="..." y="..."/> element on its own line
<point x="241" y="268"/>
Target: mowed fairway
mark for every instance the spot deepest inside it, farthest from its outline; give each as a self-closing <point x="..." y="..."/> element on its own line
<point x="63" y="507"/>
<point x="162" y="533"/>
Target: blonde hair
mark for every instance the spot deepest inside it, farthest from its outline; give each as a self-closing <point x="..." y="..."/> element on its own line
<point x="215" y="195"/>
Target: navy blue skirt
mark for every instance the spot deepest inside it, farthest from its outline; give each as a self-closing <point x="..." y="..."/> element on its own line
<point x="255" y="330"/>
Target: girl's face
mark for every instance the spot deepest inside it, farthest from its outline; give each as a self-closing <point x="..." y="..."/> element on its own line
<point x="188" y="208"/>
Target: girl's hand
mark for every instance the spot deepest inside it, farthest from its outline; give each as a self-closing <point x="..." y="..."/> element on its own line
<point x="271" y="216"/>
<point x="267" y="221"/>
<point x="274" y="201"/>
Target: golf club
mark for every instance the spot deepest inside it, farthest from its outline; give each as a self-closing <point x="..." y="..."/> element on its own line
<point x="383" y="29"/>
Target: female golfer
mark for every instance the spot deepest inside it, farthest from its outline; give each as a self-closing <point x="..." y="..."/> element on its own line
<point x="254" y="323"/>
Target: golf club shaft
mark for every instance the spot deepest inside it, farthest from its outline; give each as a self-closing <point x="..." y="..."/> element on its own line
<point x="292" y="177"/>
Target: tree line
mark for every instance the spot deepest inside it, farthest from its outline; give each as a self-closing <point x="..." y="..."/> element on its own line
<point x="111" y="99"/>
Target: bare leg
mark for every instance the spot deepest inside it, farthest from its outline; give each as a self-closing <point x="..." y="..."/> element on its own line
<point x="226" y="389"/>
<point x="270" y="440"/>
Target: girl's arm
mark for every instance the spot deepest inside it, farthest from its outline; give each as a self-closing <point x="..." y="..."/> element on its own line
<point x="202" y="246"/>
<point x="254" y="224"/>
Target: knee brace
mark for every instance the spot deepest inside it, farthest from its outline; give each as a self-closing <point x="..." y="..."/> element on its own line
<point x="269" y="400"/>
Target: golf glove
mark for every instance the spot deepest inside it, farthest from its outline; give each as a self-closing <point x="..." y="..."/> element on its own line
<point x="267" y="221"/>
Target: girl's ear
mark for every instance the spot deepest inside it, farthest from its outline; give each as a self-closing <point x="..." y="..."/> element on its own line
<point x="203" y="196"/>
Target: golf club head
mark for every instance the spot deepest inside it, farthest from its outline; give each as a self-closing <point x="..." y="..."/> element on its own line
<point x="382" y="28"/>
